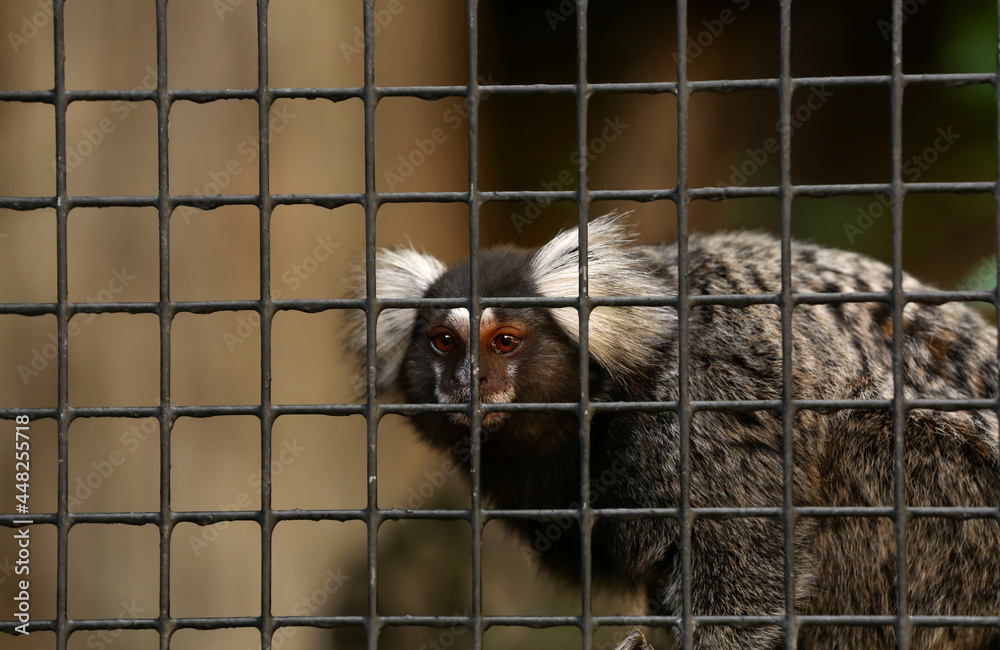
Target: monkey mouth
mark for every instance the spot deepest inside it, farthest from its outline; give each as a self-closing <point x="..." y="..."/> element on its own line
<point x="491" y="421"/>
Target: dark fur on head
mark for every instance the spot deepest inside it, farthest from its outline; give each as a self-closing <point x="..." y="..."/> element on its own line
<point x="843" y="565"/>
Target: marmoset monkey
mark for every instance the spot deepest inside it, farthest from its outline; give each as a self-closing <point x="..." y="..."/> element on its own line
<point x="841" y="350"/>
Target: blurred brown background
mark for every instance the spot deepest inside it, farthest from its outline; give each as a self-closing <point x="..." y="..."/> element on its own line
<point x="842" y="136"/>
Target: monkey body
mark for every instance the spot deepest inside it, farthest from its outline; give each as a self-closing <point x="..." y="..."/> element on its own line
<point x="843" y="565"/>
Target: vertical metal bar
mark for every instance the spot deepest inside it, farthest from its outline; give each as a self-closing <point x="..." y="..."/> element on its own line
<point x="62" y="318"/>
<point x="475" y="313"/>
<point x="996" y="224"/>
<point x="899" y="409"/>
<point x="165" y="206"/>
<point x="584" y="308"/>
<point x="266" y="310"/>
<point x="788" y="413"/>
<point x="372" y="411"/>
<point x="686" y="517"/>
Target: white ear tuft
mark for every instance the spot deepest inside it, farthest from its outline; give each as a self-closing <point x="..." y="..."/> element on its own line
<point x="622" y="339"/>
<point x="399" y="273"/>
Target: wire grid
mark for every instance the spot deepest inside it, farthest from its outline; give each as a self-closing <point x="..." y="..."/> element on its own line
<point x="166" y="413"/>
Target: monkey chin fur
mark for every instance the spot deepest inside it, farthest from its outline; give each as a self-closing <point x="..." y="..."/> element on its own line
<point x="491" y="421"/>
<point x="842" y="458"/>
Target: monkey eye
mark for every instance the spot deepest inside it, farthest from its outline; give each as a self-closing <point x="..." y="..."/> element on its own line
<point x="443" y="342"/>
<point x="506" y="343"/>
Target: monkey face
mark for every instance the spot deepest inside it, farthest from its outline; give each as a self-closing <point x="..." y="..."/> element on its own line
<point x="522" y="358"/>
<point x="502" y="346"/>
<point x="523" y="354"/>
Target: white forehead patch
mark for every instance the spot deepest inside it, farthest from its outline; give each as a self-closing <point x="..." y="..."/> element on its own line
<point x="458" y="320"/>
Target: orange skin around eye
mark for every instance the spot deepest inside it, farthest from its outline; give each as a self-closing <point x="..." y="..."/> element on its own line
<point x="500" y="345"/>
<point x="504" y="340"/>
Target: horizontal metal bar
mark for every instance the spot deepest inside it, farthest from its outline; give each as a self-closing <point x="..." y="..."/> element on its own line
<point x="930" y="297"/>
<point x="201" y="411"/>
<point x="536" y="622"/>
<point x="442" y="92"/>
<point x="208" y="518"/>
<point x="809" y="620"/>
<point x="194" y="410"/>
<point x="711" y="193"/>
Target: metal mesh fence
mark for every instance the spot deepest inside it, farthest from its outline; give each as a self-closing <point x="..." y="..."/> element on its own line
<point x="165" y="309"/>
